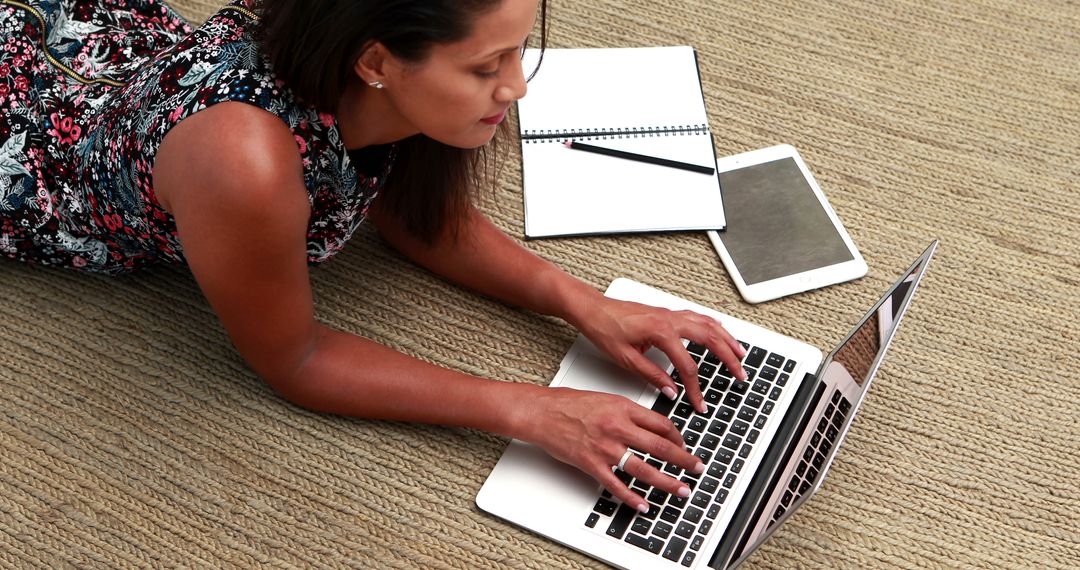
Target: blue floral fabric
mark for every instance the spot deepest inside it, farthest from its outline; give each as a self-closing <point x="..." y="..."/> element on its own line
<point x="89" y="89"/>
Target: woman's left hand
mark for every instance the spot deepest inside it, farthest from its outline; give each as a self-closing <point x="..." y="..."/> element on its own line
<point x="625" y="330"/>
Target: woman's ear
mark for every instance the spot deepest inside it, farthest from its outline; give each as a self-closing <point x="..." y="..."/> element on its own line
<point x="373" y="64"/>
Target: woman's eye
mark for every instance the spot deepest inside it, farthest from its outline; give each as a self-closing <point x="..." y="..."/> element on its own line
<point x="487" y="73"/>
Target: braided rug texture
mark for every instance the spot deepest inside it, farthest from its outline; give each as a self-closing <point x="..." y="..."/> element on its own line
<point x="132" y="435"/>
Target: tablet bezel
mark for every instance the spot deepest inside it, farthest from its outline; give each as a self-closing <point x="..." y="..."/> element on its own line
<point x="797" y="282"/>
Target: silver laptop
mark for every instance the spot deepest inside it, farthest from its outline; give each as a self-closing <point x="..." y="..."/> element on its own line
<point x="767" y="442"/>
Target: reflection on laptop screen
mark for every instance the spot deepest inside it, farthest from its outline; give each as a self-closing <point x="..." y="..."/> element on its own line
<point x="859" y="353"/>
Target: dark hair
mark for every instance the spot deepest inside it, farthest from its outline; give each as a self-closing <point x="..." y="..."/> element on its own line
<point x="312" y="46"/>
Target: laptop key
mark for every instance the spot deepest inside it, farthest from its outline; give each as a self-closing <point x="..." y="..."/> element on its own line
<point x="688" y="559"/>
<point x="755" y="357"/>
<point x="709" y="485"/>
<point x="592" y="520"/>
<point x="621" y="522"/>
<point x="693" y="514"/>
<point x="789" y="366"/>
<point x="670" y="514"/>
<point x="782" y="380"/>
<point x="641" y="526"/>
<point x="661" y="529"/>
<point x="724" y="456"/>
<point x="740" y="387"/>
<point x="663" y="405"/>
<point x="651" y="544"/>
<point x="732" y="441"/>
<point x="717" y="469"/>
<point x="714" y="510"/>
<point x="685" y="530"/>
<point x="737" y="465"/>
<point x="695" y="544"/>
<point x="674" y="549"/>
<point x="704" y="455"/>
<point x="605" y="507"/>
<point x="713" y="396"/>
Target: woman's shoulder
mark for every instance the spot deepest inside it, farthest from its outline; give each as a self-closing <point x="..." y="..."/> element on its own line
<point x="243" y="155"/>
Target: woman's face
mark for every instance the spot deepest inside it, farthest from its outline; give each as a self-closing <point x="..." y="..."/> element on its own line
<point x="460" y="94"/>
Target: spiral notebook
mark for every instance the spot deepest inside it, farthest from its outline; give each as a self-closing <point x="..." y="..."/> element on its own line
<point x="642" y="100"/>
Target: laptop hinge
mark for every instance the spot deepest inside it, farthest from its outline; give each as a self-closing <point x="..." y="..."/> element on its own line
<point x="769" y="471"/>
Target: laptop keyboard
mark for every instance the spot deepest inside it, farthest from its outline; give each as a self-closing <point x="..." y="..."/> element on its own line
<point x="813" y="459"/>
<point x="723" y="438"/>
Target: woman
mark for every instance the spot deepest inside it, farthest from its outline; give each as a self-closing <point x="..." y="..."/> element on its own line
<point x="254" y="146"/>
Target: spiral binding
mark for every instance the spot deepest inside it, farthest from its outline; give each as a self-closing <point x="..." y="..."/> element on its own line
<point x="559" y="135"/>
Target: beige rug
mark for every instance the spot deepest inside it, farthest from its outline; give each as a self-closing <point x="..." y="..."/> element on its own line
<point x="131" y="435"/>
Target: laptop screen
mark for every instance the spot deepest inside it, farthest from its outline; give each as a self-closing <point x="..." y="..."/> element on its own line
<point x="859" y="355"/>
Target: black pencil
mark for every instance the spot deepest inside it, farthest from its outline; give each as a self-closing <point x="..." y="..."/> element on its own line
<point x="639" y="157"/>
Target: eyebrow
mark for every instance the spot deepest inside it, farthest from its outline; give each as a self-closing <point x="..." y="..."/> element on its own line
<point x="500" y="52"/>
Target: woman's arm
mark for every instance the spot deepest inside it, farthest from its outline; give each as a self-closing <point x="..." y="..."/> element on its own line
<point x="231" y="176"/>
<point x="485" y="259"/>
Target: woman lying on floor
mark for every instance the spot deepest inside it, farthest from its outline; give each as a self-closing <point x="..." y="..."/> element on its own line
<point x="253" y="147"/>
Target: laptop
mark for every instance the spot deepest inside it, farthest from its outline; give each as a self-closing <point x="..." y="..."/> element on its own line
<point x="767" y="443"/>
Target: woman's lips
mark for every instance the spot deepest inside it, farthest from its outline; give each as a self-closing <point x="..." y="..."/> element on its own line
<point x="494" y="119"/>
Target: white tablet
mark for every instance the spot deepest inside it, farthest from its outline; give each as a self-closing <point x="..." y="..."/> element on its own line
<point x="782" y="236"/>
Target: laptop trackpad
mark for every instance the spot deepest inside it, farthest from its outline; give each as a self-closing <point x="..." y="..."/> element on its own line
<point x="589" y="372"/>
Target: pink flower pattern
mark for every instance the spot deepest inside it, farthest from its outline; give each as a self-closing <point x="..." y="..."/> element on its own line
<point x="78" y="140"/>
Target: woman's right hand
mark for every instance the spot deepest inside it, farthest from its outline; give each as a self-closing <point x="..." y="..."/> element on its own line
<point x="592" y="431"/>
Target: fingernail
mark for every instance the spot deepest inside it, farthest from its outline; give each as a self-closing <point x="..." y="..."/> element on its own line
<point x="669" y="392"/>
<point x="699" y="468"/>
<point x="701" y="408"/>
<point x="643" y="508"/>
<point x="683" y="492"/>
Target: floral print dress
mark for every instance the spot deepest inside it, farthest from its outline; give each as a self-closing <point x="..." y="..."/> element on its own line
<point x="88" y="90"/>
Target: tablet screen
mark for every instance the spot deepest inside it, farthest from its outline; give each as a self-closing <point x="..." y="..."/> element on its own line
<point x="776" y="225"/>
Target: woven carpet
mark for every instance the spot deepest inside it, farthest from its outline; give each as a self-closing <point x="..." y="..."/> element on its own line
<point x="132" y="435"/>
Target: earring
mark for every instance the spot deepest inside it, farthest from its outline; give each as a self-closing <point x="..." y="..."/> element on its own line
<point x="376" y="84"/>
